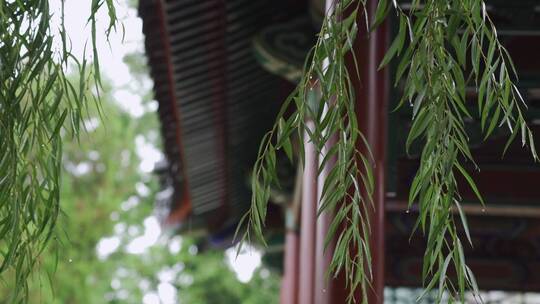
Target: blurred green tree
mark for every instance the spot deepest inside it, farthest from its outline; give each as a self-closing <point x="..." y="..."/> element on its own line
<point x="107" y="199"/>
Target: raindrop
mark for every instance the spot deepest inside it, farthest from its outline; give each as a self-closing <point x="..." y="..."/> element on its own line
<point x="483" y="209"/>
<point x="70" y="260"/>
<point x="407" y="211"/>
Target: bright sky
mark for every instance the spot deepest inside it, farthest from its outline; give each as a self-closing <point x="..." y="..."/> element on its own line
<point x="111" y="55"/>
<point x="245" y="263"/>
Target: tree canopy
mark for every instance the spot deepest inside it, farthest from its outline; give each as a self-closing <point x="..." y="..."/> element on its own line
<point x="107" y="200"/>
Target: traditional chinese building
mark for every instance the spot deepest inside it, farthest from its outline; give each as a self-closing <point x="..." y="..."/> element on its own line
<point x="221" y="70"/>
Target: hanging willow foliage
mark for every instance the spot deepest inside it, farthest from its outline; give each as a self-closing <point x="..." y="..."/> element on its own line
<point x="444" y="47"/>
<point x="346" y="192"/>
<point x="452" y="45"/>
<point x="38" y="102"/>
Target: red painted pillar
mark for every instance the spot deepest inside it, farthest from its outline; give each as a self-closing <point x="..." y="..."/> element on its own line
<point x="372" y="93"/>
<point x="323" y="288"/>
<point x="289" y="284"/>
<point x="306" y="275"/>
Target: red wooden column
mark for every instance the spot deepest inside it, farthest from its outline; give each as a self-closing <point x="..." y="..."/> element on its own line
<point x="372" y="93"/>
<point x="289" y="284"/>
<point x="323" y="288"/>
<point x="306" y="263"/>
